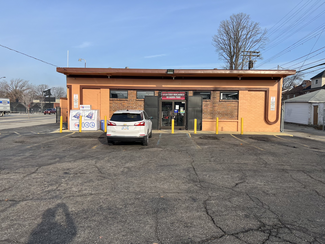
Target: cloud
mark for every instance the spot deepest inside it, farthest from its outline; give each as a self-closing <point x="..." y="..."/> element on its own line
<point x="83" y="45"/>
<point x="156" y="56"/>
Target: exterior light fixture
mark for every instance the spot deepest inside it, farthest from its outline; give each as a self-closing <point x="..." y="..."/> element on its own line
<point x="83" y="60"/>
<point x="170" y="71"/>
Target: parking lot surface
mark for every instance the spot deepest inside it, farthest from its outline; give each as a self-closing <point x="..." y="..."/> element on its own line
<point x="12" y="121"/>
<point x="182" y="188"/>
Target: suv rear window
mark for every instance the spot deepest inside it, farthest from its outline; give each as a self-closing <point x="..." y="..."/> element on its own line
<point x="126" y="117"/>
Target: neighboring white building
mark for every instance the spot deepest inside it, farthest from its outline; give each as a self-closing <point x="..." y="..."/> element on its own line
<point x="318" y="80"/>
<point x="308" y="109"/>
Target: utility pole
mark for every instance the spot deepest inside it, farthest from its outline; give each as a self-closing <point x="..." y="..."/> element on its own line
<point x="251" y="54"/>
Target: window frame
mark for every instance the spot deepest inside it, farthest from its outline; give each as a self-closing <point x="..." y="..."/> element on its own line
<point x="202" y="95"/>
<point x="145" y="91"/>
<point x="127" y="94"/>
<point x="235" y="91"/>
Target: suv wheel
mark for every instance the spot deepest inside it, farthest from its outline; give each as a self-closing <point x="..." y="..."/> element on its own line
<point x="145" y="141"/>
<point x="150" y="135"/>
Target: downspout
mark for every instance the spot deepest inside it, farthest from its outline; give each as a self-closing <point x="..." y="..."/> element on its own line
<point x="267" y="101"/>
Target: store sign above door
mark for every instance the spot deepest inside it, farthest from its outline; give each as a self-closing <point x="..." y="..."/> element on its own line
<point x="173" y="95"/>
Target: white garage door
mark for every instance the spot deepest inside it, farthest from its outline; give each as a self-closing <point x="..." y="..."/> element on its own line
<point x="297" y="113"/>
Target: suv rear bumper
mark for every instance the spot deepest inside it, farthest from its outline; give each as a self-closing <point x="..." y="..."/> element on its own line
<point x="125" y="138"/>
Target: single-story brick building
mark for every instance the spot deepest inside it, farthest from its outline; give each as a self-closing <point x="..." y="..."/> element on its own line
<point x="182" y="95"/>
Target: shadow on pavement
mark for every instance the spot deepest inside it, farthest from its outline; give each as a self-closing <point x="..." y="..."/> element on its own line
<point x="57" y="226"/>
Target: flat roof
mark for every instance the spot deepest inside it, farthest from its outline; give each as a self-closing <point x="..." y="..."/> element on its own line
<point x="176" y="72"/>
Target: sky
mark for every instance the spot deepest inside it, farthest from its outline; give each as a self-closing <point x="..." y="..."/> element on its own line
<point x="149" y="34"/>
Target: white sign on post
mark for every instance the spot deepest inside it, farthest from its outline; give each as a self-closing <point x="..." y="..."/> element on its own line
<point x="75" y="100"/>
<point x="272" y="103"/>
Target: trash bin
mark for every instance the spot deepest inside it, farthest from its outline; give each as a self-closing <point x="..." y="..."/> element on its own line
<point x="102" y="126"/>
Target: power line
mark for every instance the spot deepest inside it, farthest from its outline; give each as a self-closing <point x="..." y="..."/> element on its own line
<point x="305" y="56"/>
<point x="286" y="16"/>
<point x="296" y="44"/>
<point x="304" y="73"/>
<point x="288" y="33"/>
<point x="311" y="67"/>
<point x="296" y="67"/>
<point x="311" y="49"/>
<point x="296" y="18"/>
<point x="290" y="17"/>
<point x="28" y="55"/>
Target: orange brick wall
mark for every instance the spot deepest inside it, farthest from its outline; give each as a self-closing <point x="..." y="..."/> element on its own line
<point x="92" y="97"/>
<point x="131" y="103"/>
<point x="104" y="103"/>
<point x="64" y="109"/>
<point x="255" y="107"/>
<point x="225" y="110"/>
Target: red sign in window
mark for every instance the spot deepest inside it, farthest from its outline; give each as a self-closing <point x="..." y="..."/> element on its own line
<point x="173" y="95"/>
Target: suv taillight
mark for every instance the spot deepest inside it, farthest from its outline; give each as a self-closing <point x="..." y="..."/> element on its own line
<point x="142" y="123"/>
<point x="109" y="123"/>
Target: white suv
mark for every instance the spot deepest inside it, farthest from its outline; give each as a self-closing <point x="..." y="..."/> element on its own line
<point x="129" y="125"/>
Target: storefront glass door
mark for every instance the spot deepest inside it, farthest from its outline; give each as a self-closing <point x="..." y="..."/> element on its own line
<point x="167" y="109"/>
<point x="173" y="110"/>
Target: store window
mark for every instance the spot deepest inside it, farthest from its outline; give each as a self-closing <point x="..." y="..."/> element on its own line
<point x="142" y="94"/>
<point x="206" y="95"/>
<point x="229" y="95"/>
<point x="119" y="94"/>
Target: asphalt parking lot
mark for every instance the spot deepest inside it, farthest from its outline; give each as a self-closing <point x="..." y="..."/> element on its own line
<point x="182" y="188"/>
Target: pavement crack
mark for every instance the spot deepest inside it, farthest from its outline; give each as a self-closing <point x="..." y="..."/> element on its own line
<point x="210" y="216"/>
<point x="14" y="203"/>
<point x="238" y="183"/>
<point x="156" y="212"/>
<point x="98" y="169"/>
<point x="35" y="171"/>
<point x="5" y="189"/>
<point x="319" y="194"/>
<point x="303" y="185"/>
<point x="320" y="181"/>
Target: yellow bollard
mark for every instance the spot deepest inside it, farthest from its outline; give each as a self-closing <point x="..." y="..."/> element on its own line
<point x="105" y="124"/>
<point x="195" y="125"/>
<point x="61" y="123"/>
<point x="173" y="123"/>
<point x="242" y="126"/>
<point x="80" y="123"/>
<point x="217" y="126"/>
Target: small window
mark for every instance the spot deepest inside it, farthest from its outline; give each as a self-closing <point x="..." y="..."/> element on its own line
<point x="142" y="94"/>
<point x="229" y="95"/>
<point x="204" y="94"/>
<point x="316" y="81"/>
<point x="119" y="94"/>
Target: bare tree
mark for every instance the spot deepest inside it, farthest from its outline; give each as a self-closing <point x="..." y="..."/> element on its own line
<point x="59" y="92"/>
<point x="2" y="89"/>
<point x="28" y="97"/>
<point x="14" y="89"/>
<point x="236" y="35"/>
<point x="293" y="80"/>
<point x="40" y="95"/>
